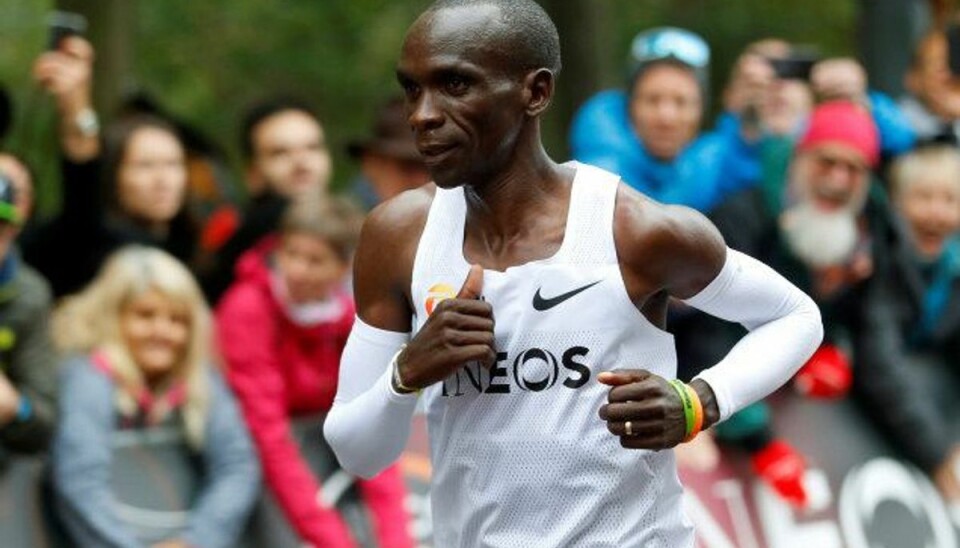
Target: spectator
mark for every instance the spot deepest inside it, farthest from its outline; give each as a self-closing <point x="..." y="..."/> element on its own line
<point x="211" y="192"/>
<point x="828" y="230"/>
<point x="282" y="327"/>
<point x="138" y="339"/>
<point x="287" y="157"/>
<point x="140" y="164"/>
<point x="909" y="346"/>
<point x="769" y="101"/>
<point x="845" y="79"/>
<point x="389" y="159"/>
<point x="649" y="134"/>
<point x="28" y="376"/>
<point x="933" y="103"/>
<point x="772" y="92"/>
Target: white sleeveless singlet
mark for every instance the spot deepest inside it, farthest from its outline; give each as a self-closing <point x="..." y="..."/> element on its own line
<point x="520" y="456"/>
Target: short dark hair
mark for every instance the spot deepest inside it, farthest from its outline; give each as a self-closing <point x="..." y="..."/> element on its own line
<point x="257" y="113"/>
<point x="529" y="31"/>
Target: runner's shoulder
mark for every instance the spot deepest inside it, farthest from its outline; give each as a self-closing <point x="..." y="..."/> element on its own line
<point x="402" y="216"/>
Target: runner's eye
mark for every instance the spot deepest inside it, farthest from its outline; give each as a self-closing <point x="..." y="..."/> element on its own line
<point x="410" y="88"/>
<point x="456" y="84"/>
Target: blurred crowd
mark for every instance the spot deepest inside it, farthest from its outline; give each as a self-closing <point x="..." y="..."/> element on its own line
<point x="158" y="321"/>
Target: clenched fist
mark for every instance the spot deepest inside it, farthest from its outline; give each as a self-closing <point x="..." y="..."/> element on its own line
<point x="459" y="330"/>
<point x="653" y="408"/>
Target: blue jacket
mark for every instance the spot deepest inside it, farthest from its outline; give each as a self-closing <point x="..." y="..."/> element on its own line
<point x="712" y="167"/>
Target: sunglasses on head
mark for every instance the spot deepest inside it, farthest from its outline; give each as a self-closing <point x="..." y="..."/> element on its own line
<point x="670" y="43"/>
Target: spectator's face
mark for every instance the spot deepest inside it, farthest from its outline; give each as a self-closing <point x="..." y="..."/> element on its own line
<point x="931" y="206"/>
<point x="309" y="266"/>
<point x="665" y="108"/>
<point x="465" y="101"/>
<point x="290" y="156"/>
<point x="833" y="176"/>
<point x="930" y="78"/>
<point x="390" y="176"/>
<point x="786" y="105"/>
<point x="152" y="179"/>
<point x="156" y="332"/>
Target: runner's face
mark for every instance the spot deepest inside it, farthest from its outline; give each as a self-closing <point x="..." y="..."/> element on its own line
<point x="463" y="101"/>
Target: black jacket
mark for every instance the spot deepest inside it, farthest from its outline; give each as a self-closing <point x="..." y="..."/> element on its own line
<point x="749" y="224"/>
<point x="260" y="219"/>
<point x="897" y="370"/>
<point x="69" y="249"/>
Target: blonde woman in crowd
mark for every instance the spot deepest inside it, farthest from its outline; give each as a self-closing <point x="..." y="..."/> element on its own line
<point x="139" y="338"/>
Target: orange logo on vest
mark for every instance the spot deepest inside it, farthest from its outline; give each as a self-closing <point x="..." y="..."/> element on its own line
<point x="437" y="294"/>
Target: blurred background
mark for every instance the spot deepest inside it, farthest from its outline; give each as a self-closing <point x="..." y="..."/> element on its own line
<point x="209" y="60"/>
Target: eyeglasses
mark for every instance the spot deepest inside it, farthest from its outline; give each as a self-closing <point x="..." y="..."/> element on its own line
<point x="670" y="43"/>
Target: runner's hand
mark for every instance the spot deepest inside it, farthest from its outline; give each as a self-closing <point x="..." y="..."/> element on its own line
<point x="652" y="406"/>
<point x="459" y="330"/>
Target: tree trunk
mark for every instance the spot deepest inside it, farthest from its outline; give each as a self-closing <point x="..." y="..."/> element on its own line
<point x="111" y="27"/>
<point x="589" y="64"/>
<point x="889" y="32"/>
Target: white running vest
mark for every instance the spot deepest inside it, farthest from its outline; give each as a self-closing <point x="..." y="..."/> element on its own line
<point x="521" y="458"/>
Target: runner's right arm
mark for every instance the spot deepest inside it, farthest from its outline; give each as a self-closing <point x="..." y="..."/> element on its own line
<point x="369" y="424"/>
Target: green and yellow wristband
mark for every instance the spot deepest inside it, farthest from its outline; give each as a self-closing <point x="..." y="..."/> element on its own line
<point x="692" y="409"/>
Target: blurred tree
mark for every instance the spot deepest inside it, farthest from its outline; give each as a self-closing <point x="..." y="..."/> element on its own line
<point x="111" y="26"/>
<point x="888" y="31"/>
<point x="206" y="60"/>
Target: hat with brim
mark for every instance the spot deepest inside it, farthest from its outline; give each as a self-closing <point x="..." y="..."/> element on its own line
<point x="392" y="136"/>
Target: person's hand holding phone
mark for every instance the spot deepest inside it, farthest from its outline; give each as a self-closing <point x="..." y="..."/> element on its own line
<point x="67" y="74"/>
<point x="750" y="81"/>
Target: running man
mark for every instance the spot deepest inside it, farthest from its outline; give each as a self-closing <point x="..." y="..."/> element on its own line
<point x="520" y="298"/>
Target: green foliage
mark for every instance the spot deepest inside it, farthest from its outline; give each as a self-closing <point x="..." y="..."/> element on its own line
<point x="729" y="25"/>
<point x="208" y="59"/>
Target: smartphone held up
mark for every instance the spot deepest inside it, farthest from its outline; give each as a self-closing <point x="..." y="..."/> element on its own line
<point x="63" y="24"/>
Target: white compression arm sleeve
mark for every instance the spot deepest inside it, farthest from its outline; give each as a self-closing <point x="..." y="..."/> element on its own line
<point x="784" y="324"/>
<point x="369" y="423"/>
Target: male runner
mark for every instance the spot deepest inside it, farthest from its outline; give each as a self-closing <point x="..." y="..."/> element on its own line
<point x="564" y="274"/>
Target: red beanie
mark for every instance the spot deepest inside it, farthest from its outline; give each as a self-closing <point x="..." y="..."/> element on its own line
<point x="845" y="123"/>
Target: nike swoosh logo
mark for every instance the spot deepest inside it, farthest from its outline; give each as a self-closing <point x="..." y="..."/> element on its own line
<point x="540" y="303"/>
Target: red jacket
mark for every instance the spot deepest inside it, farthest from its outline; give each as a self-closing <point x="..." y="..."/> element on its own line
<point x="281" y="370"/>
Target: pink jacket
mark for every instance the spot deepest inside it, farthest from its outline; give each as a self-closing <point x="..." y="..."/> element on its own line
<point x="280" y="370"/>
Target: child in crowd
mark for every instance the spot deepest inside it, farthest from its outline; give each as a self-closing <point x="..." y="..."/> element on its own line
<point x="909" y="349"/>
<point x="282" y="327"/>
<point x="139" y="339"/>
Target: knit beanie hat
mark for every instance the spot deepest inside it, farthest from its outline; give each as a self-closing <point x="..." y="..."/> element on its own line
<point x="846" y="123"/>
